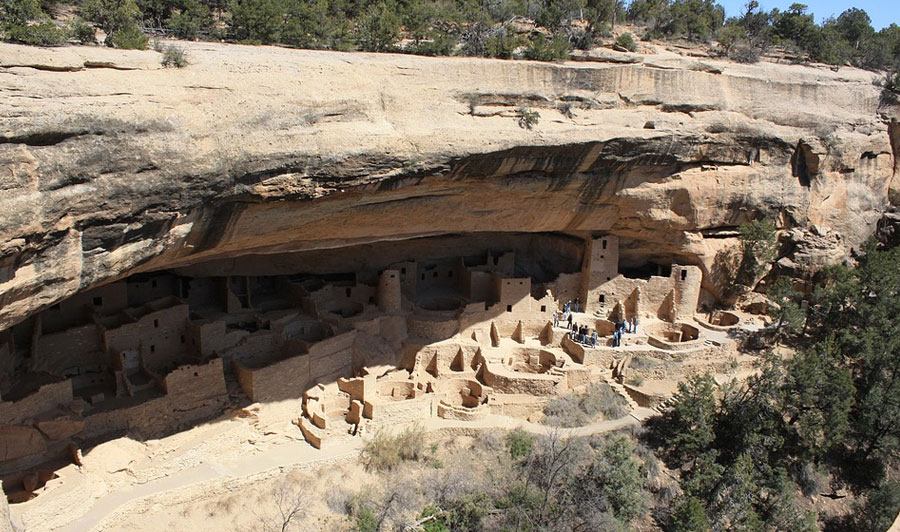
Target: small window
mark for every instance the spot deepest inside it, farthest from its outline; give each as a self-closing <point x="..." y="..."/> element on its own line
<point x="371" y="299"/>
<point x="602" y="298"/>
<point x="508" y="308"/>
<point x="98" y="301"/>
<point x="392" y="276"/>
<point x="196" y="374"/>
<point x="156" y="323"/>
<point x="402" y="270"/>
<point x="423" y="276"/>
<point x="152" y="348"/>
<point x="450" y="274"/>
<point x="348" y="292"/>
<point x="683" y="275"/>
<point x="608" y="278"/>
<point x="434" y="274"/>
<point x="604" y="244"/>
<point x="543" y="308"/>
<point x="602" y="257"/>
<point x="182" y="338"/>
<point x="153" y="283"/>
<point x="521" y="283"/>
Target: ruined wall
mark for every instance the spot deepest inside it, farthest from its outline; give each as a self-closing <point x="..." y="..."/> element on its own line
<point x="75" y="310"/>
<point x="332" y="358"/>
<point x="73" y="347"/>
<point x="285" y="379"/>
<point x="192" y="384"/>
<point x="47" y="397"/>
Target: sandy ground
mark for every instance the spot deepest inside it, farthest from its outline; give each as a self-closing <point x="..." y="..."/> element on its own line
<point x="183" y="482"/>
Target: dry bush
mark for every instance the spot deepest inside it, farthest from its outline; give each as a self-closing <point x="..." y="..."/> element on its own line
<point x="385" y="451"/>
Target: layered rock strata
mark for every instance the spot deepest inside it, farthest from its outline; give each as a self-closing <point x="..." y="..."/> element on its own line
<point x="113" y="165"/>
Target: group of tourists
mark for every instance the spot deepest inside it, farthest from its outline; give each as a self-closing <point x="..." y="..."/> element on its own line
<point x="566" y="315"/>
<point x="622" y="327"/>
<point x="583" y="335"/>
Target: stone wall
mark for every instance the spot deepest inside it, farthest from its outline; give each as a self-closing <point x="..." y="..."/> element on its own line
<point x="47" y="397"/>
<point x="332" y="358"/>
<point x="74" y="347"/>
<point x="286" y="379"/>
<point x="192" y="384"/>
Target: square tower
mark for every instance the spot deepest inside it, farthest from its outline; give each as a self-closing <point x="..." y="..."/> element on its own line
<point x="600" y="265"/>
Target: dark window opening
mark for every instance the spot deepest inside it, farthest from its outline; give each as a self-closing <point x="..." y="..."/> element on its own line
<point x="371" y="299"/>
<point x="543" y="308"/>
<point x="392" y="276"/>
<point x="152" y="348"/>
<point x="98" y="301"/>
<point x="521" y="283"/>
<point x="182" y="338"/>
<point x="683" y="275"/>
<point x="604" y="244"/>
<point x="602" y="298"/>
<point x="449" y="274"/>
<point x="608" y="278"/>
<point x="402" y="270"/>
<point x="196" y="374"/>
<point x="508" y="308"/>
<point x="423" y="276"/>
<point x="156" y="323"/>
<point x="348" y="291"/>
<point x="601" y="256"/>
<point x="153" y="284"/>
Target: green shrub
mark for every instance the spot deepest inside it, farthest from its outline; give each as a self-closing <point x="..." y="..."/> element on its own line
<point x="519" y="443"/>
<point x="386" y="451"/>
<point x="365" y="521"/>
<point x="626" y="40"/>
<point x="83" y="32"/>
<point x="128" y="38"/>
<point x="44" y="33"/>
<point x="19" y="12"/>
<point x="528" y="118"/>
<point x="439" y="45"/>
<point x="501" y="45"/>
<point x="193" y="19"/>
<point x="173" y="56"/>
<point x="543" y="49"/>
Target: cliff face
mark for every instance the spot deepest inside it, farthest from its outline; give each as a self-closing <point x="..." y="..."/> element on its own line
<point x="112" y="165"/>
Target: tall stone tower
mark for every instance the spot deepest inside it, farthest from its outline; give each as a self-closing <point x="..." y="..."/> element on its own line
<point x="687" y="291"/>
<point x="600" y="264"/>
<point x="389" y="297"/>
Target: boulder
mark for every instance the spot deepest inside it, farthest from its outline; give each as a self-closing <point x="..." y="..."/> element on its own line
<point x="17" y="441"/>
<point x="60" y="428"/>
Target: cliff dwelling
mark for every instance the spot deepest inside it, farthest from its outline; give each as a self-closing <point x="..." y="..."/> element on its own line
<point x="354" y="338"/>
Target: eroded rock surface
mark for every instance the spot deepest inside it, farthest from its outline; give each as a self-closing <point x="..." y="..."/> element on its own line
<point x="112" y="165"/>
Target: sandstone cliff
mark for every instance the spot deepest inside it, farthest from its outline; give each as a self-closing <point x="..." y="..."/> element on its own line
<point x="112" y="165"/>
